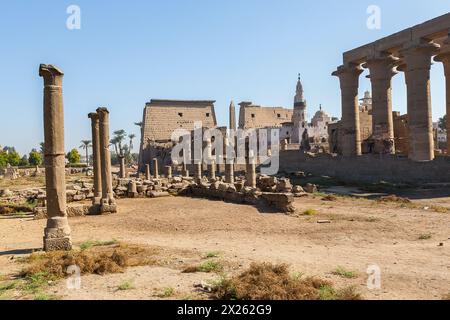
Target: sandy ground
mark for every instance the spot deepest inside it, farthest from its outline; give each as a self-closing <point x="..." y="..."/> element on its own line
<point x="362" y="233"/>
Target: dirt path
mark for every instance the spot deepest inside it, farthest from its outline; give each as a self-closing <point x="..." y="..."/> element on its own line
<point x="362" y="233"/>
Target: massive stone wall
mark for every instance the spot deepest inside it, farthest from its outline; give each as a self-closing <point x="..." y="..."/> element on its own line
<point x="368" y="168"/>
<point x="162" y="117"/>
<point x="254" y="116"/>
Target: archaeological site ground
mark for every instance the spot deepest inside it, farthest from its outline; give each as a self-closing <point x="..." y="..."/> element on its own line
<point x="274" y="204"/>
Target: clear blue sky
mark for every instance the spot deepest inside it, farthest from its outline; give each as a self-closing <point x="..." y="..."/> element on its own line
<point x="128" y="52"/>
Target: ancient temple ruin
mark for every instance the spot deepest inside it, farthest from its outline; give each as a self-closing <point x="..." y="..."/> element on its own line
<point x="411" y="52"/>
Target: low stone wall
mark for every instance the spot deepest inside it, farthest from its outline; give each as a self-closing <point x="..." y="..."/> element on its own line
<point x="72" y="211"/>
<point x="282" y="202"/>
<point x="368" y="168"/>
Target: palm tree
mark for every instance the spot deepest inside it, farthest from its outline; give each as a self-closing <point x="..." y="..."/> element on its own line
<point x="85" y="144"/>
<point x="119" y="136"/>
<point x="131" y="137"/>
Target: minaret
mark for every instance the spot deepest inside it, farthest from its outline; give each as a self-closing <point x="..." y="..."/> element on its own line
<point x="232" y="116"/>
<point x="299" y="116"/>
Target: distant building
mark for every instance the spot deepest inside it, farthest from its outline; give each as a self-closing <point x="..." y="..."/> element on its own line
<point x="162" y="117"/>
<point x="292" y="123"/>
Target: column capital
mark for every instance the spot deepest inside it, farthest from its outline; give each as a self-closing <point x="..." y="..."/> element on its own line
<point x="102" y="110"/>
<point x="444" y="57"/>
<point x="417" y="55"/>
<point x="51" y="74"/>
<point x="381" y="65"/>
<point x="348" y="74"/>
<point x="352" y="69"/>
<point x="93" y="116"/>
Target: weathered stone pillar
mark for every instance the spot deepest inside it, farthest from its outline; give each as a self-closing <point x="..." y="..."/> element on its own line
<point x="132" y="189"/>
<point x="250" y="176"/>
<point x="108" y="204"/>
<point x="229" y="171"/>
<point x="123" y="171"/>
<point x="155" y="168"/>
<point x="232" y="116"/>
<point x="417" y="58"/>
<point x="212" y="170"/>
<point x="185" y="172"/>
<point x="381" y="68"/>
<point x="168" y="172"/>
<point x="96" y="157"/>
<point x="351" y="136"/>
<point x="198" y="172"/>
<point x="57" y="231"/>
<point x="147" y="172"/>
<point x="444" y="57"/>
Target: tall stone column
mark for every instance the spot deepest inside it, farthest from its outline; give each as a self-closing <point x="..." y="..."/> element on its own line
<point x="381" y="69"/>
<point x="108" y="203"/>
<point x="57" y="231"/>
<point x="96" y="157"/>
<point x="444" y="57"/>
<point x="417" y="65"/>
<point x="122" y="172"/>
<point x="350" y="126"/>
<point x="155" y="168"/>
<point x="147" y="171"/>
<point x="232" y="116"/>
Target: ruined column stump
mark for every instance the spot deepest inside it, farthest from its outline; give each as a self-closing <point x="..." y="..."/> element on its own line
<point x="168" y="172"/>
<point x="155" y="168"/>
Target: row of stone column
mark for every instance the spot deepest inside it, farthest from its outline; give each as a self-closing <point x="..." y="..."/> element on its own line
<point x="415" y="61"/>
<point x="103" y="191"/>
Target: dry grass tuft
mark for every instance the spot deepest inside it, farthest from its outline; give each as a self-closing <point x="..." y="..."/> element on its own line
<point x="310" y="212"/>
<point x="394" y="198"/>
<point x="96" y="260"/>
<point x="207" y="266"/>
<point x="330" y="197"/>
<point x="265" y="281"/>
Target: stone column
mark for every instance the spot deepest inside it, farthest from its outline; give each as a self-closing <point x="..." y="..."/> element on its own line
<point x="155" y="168"/>
<point x="250" y="176"/>
<point x="212" y="170"/>
<point x="168" y="172"/>
<point x="122" y="172"/>
<point x="198" y="172"/>
<point x="229" y="171"/>
<point x="417" y="65"/>
<point x="108" y="204"/>
<point x="232" y="116"/>
<point x="147" y="172"/>
<point x="57" y="232"/>
<point x="350" y="126"/>
<point x="132" y="189"/>
<point x="381" y="68"/>
<point x="96" y="157"/>
<point x="185" y="172"/>
<point x="444" y="57"/>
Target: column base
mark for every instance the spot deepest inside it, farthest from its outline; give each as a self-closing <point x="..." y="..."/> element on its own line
<point x="57" y="243"/>
<point x="108" y="206"/>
